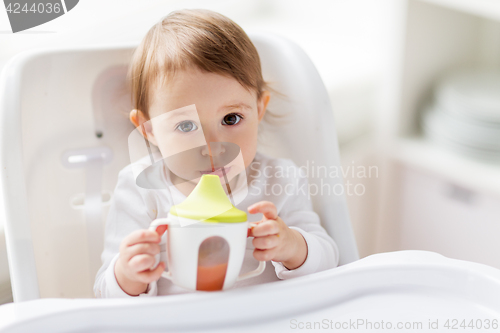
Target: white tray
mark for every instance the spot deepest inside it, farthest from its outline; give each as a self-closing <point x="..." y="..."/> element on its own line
<point x="403" y="286"/>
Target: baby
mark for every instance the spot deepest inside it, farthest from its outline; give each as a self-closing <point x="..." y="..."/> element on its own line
<point x="200" y="61"/>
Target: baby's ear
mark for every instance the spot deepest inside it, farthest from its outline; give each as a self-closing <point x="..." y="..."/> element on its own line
<point x="144" y="126"/>
<point x="262" y="103"/>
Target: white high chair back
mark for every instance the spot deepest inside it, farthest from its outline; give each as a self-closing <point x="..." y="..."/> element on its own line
<point x="64" y="129"/>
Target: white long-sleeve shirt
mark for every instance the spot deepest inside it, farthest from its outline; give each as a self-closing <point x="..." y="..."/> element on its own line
<point x="271" y="179"/>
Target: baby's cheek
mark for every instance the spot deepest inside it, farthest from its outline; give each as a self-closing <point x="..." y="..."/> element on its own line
<point x="248" y="152"/>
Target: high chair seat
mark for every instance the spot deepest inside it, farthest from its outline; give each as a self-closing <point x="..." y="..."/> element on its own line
<point x="64" y="124"/>
<point x="64" y="120"/>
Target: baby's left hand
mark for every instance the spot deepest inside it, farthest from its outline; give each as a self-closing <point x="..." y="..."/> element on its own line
<point x="274" y="240"/>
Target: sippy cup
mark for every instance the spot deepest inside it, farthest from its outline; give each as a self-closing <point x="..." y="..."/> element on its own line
<point x="206" y="239"/>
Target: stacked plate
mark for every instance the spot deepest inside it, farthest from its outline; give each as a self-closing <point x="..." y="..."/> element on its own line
<point x="465" y="114"/>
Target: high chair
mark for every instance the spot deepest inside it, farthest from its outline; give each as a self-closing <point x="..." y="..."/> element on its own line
<point x="64" y="138"/>
<point x="64" y="125"/>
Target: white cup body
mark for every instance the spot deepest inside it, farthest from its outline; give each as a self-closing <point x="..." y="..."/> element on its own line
<point x="183" y="243"/>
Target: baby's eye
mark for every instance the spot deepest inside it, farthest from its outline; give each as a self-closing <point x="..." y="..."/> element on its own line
<point x="231" y="119"/>
<point x="187" y="126"/>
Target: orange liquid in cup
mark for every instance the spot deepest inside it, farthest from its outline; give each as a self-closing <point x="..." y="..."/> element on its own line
<point x="211" y="278"/>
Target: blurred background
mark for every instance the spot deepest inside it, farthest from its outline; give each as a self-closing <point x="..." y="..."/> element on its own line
<point x="415" y="90"/>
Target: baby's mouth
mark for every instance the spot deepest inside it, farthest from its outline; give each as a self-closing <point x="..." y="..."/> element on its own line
<point x="217" y="172"/>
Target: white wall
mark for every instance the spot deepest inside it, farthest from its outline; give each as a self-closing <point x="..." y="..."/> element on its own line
<point x="346" y="39"/>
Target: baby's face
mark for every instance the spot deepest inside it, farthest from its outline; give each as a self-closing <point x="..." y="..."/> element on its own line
<point x="198" y="108"/>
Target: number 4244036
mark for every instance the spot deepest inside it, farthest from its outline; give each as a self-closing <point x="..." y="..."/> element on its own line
<point x="41" y="7"/>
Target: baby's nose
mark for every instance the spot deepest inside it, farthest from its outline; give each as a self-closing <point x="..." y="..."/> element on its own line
<point x="213" y="149"/>
<point x="217" y="148"/>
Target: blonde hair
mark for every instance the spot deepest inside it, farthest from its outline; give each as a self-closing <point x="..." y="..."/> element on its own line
<point x="200" y="37"/>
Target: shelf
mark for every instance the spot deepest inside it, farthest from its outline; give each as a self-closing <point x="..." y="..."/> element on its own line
<point x="435" y="38"/>
<point x="474" y="174"/>
<point x="486" y="8"/>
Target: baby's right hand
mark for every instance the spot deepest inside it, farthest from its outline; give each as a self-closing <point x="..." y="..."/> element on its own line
<point x="137" y="256"/>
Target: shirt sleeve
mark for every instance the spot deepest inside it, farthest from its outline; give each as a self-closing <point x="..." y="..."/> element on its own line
<point x="297" y="213"/>
<point x="130" y="210"/>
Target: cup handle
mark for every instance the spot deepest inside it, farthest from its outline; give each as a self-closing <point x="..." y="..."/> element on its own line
<point x="156" y="223"/>
<point x="259" y="270"/>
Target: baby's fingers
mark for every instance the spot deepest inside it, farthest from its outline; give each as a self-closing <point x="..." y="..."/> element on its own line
<point x="142" y="248"/>
<point x="141" y="262"/>
<point x="141" y="236"/>
<point x="267" y="208"/>
<point x="264" y="255"/>
<point x="269" y="227"/>
<point x="267" y="242"/>
<point x="149" y="276"/>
